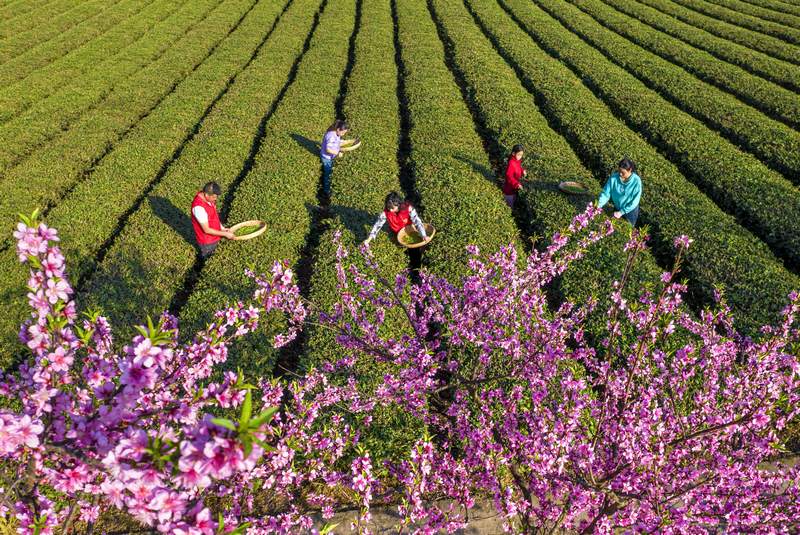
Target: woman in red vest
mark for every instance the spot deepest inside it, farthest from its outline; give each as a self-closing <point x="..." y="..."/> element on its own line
<point x="398" y="213"/>
<point x="205" y="220"/>
<point x="514" y="174"/>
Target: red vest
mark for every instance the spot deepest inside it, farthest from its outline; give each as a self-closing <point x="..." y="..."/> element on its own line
<point x="399" y="219"/>
<point x="213" y="220"/>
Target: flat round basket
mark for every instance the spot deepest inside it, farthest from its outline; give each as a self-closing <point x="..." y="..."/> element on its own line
<point x="573" y="188"/>
<point x="410" y="238"/>
<point x="349" y="144"/>
<point x="247" y="230"/>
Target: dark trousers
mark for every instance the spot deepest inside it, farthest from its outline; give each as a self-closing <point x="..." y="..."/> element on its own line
<point x="632" y="216"/>
<point x="206" y="250"/>
<point x="327" y="169"/>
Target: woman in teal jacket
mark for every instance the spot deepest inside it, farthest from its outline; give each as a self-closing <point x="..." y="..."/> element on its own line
<point x="624" y="188"/>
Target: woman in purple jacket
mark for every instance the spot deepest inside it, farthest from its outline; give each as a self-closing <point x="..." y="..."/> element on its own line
<point x="329" y="150"/>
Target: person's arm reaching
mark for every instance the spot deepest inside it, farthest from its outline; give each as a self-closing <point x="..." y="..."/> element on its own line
<point x="221" y="233"/>
<point x="417" y="222"/>
<point x="605" y="195"/>
<point x="202" y="218"/>
<point x="376" y="227"/>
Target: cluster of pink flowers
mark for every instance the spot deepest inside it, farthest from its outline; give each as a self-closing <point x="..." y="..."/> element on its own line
<point x="132" y="429"/>
<point x="669" y="421"/>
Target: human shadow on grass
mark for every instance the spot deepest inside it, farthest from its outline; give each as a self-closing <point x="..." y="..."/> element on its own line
<point x="537" y="185"/>
<point x="358" y="222"/>
<point x="173" y="216"/>
<point x="309" y="144"/>
<point x="486" y="172"/>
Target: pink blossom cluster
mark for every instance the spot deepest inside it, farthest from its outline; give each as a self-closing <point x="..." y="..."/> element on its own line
<point x="668" y="421"/>
<point x="133" y="429"/>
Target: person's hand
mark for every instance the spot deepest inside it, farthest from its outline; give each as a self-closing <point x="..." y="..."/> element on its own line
<point x="230" y="235"/>
<point x="524" y="172"/>
<point x="617" y="214"/>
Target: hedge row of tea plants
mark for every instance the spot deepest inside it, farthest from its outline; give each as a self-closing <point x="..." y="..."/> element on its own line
<point x="733" y="14"/>
<point x="43" y="178"/>
<point x="92" y="210"/>
<point x="49" y="26"/>
<point x="777" y="6"/>
<point x="772" y="99"/>
<point x="774" y="69"/>
<point x="772" y="142"/>
<point x="756" y="41"/>
<point x="360" y="184"/>
<point x="41" y="55"/>
<point x="761" y="199"/>
<point x="779" y="13"/>
<point x="60" y="13"/>
<point x="87" y="60"/>
<point x="363" y="177"/>
<point x="723" y="252"/>
<point x="279" y="188"/>
<point x="15" y="11"/>
<point x="781" y="6"/>
<point x="47" y="118"/>
<point x="147" y="263"/>
<point x="452" y="171"/>
<point x="34" y="19"/>
<point x="510" y="116"/>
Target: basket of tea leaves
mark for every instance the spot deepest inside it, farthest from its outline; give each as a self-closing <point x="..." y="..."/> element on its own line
<point x="347" y="145"/>
<point x="409" y="237"/>
<point x="573" y="188"/>
<point x="247" y="230"/>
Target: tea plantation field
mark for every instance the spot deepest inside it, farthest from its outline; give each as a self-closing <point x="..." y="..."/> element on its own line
<point x="114" y="113"/>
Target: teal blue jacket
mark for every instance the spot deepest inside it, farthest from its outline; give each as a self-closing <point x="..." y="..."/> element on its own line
<point x="624" y="195"/>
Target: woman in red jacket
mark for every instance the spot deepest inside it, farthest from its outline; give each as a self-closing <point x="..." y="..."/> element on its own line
<point x="514" y="173"/>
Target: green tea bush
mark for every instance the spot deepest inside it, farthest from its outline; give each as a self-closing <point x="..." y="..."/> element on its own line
<point x="772" y="142"/>
<point x="41" y="55"/>
<point x="47" y="118"/>
<point x="724" y="252"/>
<point x="762" y="200"/>
<point x="452" y="171"/>
<point x="735" y="13"/>
<point x="770" y="98"/>
<point x="777" y="70"/>
<point x="780" y="7"/>
<point x="84" y="65"/>
<point x="778" y="12"/>
<point x="17" y="11"/>
<point x="510" y="116"/>
<point x="158" y="238"/>
<point x="281" y="186"/>
<point x="47" y="24"/>
<point x="215" y="50"/>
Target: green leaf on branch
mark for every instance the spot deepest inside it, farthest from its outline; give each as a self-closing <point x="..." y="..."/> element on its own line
<point x="327" y="528"/>
<point x="263" y="418"/>
<point x="224" y="422"/>
<point x="31" y="220"/>
<point x="247" y="410"/>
